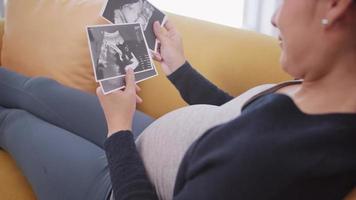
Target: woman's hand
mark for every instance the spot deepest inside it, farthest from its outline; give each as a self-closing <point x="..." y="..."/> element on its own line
<point x="171" y="54"/>
<point x="119" y="107"/>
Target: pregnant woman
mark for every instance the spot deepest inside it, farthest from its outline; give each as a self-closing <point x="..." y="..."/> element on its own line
<point x="295" y="140"/>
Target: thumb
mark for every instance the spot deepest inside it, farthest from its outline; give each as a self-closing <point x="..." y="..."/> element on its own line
<point x="160" y="32"/>
<point x="99" y="92"/>
<point x="100" y="96"/>
<point x="130" y="80"/>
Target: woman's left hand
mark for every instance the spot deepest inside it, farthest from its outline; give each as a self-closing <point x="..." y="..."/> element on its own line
<point x="119" y="107"/>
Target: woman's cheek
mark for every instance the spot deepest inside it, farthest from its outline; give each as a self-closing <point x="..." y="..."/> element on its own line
<point x="285" y="59"/>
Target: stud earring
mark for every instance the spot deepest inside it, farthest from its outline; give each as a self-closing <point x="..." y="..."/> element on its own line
<point x="324" y="22"/>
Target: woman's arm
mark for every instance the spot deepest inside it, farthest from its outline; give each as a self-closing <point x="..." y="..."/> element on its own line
<point x="194" y="88"/>
<point x="127" y="172"/>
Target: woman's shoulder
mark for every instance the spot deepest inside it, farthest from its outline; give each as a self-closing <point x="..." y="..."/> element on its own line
<point x="254" y="93"/>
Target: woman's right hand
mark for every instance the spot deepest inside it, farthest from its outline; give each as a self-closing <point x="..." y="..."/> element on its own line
<point x="171" y="53"/>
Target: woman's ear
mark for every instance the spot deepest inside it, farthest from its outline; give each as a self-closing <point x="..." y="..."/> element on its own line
<point x="337" y="9"/>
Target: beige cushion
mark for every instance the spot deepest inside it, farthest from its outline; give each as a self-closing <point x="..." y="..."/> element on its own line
<point x="48" y="38"/>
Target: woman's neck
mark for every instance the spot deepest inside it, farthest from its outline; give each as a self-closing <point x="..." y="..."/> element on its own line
<point x="334" y="92"/>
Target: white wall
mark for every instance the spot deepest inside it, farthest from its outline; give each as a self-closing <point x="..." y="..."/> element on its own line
<point x="227" y="12"/>
<point x="1" y="8"/>
<point x="250" y="14"/>
<point x="258" y="15"/>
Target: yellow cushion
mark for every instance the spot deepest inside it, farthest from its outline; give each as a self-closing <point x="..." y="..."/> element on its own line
<point x="48" y="38"/>
<point x="13" y="185"/>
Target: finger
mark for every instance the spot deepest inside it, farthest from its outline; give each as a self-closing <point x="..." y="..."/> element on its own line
<point x="157" y="56"/>
<point x="130" y="80"/>
<point x="152" y="53"/>
<point x="138" y="89"/>
<point x="170" y="26"/>
<point x="160" y="32"/>
<point x="99" y="92"/>
<point x="138" y="99"/>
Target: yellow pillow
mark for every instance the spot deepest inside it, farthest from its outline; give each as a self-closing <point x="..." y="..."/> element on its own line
<point x="48" y="38"/>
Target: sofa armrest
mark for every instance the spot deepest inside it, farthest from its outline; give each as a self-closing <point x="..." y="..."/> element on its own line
<point x="13" y="184"/>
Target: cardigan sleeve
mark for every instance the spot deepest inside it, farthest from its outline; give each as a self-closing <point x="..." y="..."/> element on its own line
<point x="127" y="172"/>
<point x="196" y="89"/>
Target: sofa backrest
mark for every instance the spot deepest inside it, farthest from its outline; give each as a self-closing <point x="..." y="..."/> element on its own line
<point x="234" y="59"/>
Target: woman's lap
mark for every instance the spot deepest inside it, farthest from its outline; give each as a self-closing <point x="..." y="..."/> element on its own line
<point x="70" y="109"/>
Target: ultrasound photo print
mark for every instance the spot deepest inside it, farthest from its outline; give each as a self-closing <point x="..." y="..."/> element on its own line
<point x="114" y="48"/>
<point x="135" y="11"/>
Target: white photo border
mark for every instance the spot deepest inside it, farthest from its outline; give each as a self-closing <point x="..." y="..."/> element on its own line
<point x="120" y="88"/>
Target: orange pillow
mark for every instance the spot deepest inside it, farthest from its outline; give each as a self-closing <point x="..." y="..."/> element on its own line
<point x="48" y="38"/>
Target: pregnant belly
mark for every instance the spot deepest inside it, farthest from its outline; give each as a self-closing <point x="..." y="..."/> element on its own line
<point x="164" y="143"/>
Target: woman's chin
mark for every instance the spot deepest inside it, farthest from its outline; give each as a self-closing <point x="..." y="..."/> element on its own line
<point x="288" y="67"/>
<point x="292" y="70"/>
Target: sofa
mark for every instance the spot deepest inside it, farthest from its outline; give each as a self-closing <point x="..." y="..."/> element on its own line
<point x="233" y="59"/>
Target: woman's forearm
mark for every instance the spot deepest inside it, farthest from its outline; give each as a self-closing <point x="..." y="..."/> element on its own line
<point x="127" y="172"/>
<point x="196" y="89"/>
